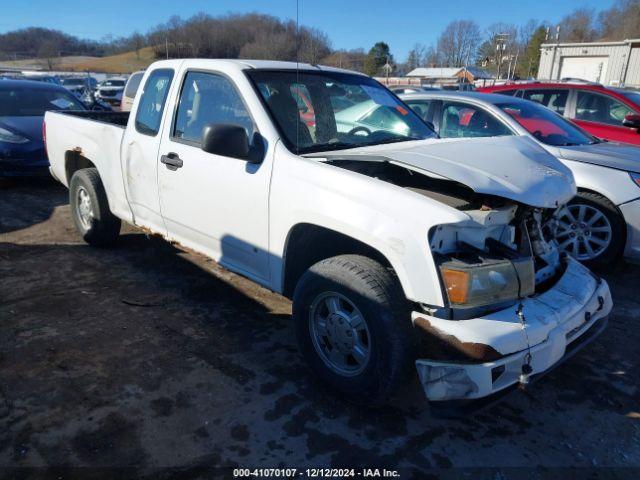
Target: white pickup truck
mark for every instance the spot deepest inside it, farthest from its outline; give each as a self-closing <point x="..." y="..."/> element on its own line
<point x="399" y="249"/>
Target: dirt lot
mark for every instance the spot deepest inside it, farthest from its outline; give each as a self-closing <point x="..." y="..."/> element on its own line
<point x="147" y="356"/>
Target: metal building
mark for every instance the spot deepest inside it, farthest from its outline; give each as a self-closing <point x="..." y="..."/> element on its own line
<point x="608" y="63"/>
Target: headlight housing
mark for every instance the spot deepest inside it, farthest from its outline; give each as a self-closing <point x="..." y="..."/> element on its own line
<point x="476" y="280"/>
<point x="10" y="137"/>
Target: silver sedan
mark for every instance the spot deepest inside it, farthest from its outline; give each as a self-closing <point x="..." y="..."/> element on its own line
<point x="600" y="224"/>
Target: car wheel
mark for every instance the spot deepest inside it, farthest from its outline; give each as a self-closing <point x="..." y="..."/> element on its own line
<point x="590" y="229"/>
<point x="353" y="327"/>
<point x="90" y="209"/>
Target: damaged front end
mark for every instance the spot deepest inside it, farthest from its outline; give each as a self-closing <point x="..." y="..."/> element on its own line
<point x="514" y="306"/>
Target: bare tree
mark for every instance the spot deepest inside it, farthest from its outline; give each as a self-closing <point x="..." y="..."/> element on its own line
<point x="416" y="56"/>
<point x="620" y="21"/>
<point x="578" y="26"/>
<point x="48" y="52"/>
<point x="458" y="42"/>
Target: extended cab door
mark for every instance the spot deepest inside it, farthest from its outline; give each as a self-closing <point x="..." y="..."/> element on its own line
<point x="140" y="150"/>
<point x="212" y="203"/>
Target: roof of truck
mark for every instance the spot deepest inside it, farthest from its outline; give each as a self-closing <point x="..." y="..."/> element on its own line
<point x="246" y="64"/>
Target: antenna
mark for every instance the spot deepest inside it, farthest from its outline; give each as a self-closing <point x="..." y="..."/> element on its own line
<point x="297" y="72"/>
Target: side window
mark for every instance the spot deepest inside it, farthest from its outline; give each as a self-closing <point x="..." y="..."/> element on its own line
<point x="463" y="120"/>
<point x="593" y="107"/>
<point x="421" y="107"/>
<point x="152" y="101"/>
<point x="556" y="100"/>
<point x="208" y="98"/>
<point x="384" y="118"/>
<point x="132" y="85"/>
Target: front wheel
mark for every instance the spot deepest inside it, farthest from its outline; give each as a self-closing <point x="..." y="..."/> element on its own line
<point x="590" y="229"/>
<point x="353" y="327"/>
<point x="90" y="209"/>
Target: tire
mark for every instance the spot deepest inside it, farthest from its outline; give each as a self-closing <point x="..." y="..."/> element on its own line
<point x="594" y="221"/>
<point x="92" y="218"/>
<point x="376" y="294"/>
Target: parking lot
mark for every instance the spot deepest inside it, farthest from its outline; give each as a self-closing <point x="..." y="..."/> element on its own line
<point x="148" y="356"/>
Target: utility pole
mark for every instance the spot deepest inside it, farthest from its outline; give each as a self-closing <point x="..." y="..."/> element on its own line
<point x="501" y="46"/>
<point x="166" y="46"/>
<point x="553" y="57"/>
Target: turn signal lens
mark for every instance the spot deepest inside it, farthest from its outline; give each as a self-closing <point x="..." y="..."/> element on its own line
<point x="457" y="285"/>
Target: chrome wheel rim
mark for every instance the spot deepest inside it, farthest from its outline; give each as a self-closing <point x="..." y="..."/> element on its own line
<point x="84" y="208"/>
<point x="582" y="231"/>
<point x="340" y="334"/>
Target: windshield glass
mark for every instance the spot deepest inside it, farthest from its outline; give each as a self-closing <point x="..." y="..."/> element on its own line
<point x="633" y="95"/>
<point x="25" y="102"/>
<point x="545" y="125"/>
<point x="321" y="111"/>
<point x="73" y="81"/>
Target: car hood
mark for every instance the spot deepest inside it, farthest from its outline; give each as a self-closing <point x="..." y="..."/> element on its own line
<point x="513" y="167"/>
<point x="606" y="154"/>
<point x="30" y="127"/>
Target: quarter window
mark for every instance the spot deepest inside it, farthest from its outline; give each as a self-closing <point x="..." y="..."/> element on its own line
<point x="208" y="98"/>
<point x="152" y="102"/>
<point x="593" y="107"/>
<point x="421" y="107"/>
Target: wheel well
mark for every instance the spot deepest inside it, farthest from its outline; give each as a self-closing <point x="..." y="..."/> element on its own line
<point x="298" y="256"/>
<point x="74" y="161"/>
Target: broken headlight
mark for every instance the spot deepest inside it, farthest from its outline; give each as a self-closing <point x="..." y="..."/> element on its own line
<point x="476" y="280"/>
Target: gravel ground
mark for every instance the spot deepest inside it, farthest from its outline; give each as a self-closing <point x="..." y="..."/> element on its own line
<point x="145" y="357"/>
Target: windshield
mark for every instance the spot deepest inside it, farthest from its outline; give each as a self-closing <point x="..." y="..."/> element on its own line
<point x="633" y="95"/>
<point x="26" y="102"/>
<point x="113" y="83"/>
<point x="73" y="81"/>
<point x="321" y="111"/>
<point x="547" y="126"/>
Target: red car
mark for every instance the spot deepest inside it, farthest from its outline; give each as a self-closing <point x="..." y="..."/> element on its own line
<point x="607" y="113"/>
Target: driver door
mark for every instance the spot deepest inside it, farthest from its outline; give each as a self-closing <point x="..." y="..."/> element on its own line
<point x="212" y="203"/>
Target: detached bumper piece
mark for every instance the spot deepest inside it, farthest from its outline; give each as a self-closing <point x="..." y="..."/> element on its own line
<point x="517" y="344"/>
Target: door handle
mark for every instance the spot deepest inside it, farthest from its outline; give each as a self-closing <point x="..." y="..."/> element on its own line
<point x="172" y="161"/>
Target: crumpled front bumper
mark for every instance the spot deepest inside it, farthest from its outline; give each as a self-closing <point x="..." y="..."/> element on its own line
<point x="501" y="344"/>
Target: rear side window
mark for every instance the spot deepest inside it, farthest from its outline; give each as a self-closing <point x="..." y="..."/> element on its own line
<point x="593" y="107"/>
<point x="152" y="101"/>
<point x="133" y="84"/>
<point x="556" y="100"/>
<point x="421" y="107"/>
<point x="463" y="120"/>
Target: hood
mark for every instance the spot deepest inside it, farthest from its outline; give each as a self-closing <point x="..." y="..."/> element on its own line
<point x="606" y="154"/>
<point x="513" y="167"/>
<point x="30" y="127"/>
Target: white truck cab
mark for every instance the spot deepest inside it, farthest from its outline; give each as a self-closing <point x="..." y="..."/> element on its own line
<point x="397" y="248"/>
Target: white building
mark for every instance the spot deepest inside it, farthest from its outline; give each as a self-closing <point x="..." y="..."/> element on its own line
<point x="608" y="63"/>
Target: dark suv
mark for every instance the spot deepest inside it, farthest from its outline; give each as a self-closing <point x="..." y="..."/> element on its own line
<point x="608" y="113"/>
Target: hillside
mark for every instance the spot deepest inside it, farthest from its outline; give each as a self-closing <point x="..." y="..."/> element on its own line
<point x="121" y="63"/>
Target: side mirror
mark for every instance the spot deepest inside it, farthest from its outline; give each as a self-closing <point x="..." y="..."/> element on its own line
<point x="226" y="139"/>
<point x="632" y="121"/>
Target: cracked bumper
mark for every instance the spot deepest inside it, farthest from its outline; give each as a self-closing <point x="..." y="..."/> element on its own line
<point x="555" y="321"/>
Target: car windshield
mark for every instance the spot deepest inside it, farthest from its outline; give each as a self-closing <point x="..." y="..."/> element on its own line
<point x="32" y="102"/>
<point x="545" y="125"/>
<point x="72" y="81"/>
<point x="113" y="83"/>
<point x="322" y="111"/>
<point x="633" y="95"/>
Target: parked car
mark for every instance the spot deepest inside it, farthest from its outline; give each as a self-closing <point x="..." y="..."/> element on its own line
<point x="130" y="90"/>
<point x="110" y="91"/>
<point x="384" y="239"/>
<point x="607" y="113"/>
<point x="22" y="107"/>
<point x="79" y="85"/>
<point x="602" y="222"/>
<point x="43" y="78"/>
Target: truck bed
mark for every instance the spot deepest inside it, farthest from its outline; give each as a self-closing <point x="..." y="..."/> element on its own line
<point x="113" y="118"/>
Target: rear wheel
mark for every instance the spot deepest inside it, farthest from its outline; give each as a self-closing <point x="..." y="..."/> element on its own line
<point x="353" y="327"/>
<point x="590" y="229"/>
<point x="90" y="209"/>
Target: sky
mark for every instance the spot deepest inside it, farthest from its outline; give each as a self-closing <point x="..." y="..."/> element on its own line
<point x="348" y="23"/>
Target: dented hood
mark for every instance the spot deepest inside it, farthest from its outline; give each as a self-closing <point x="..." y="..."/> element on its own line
<point x="513" y="167"/>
